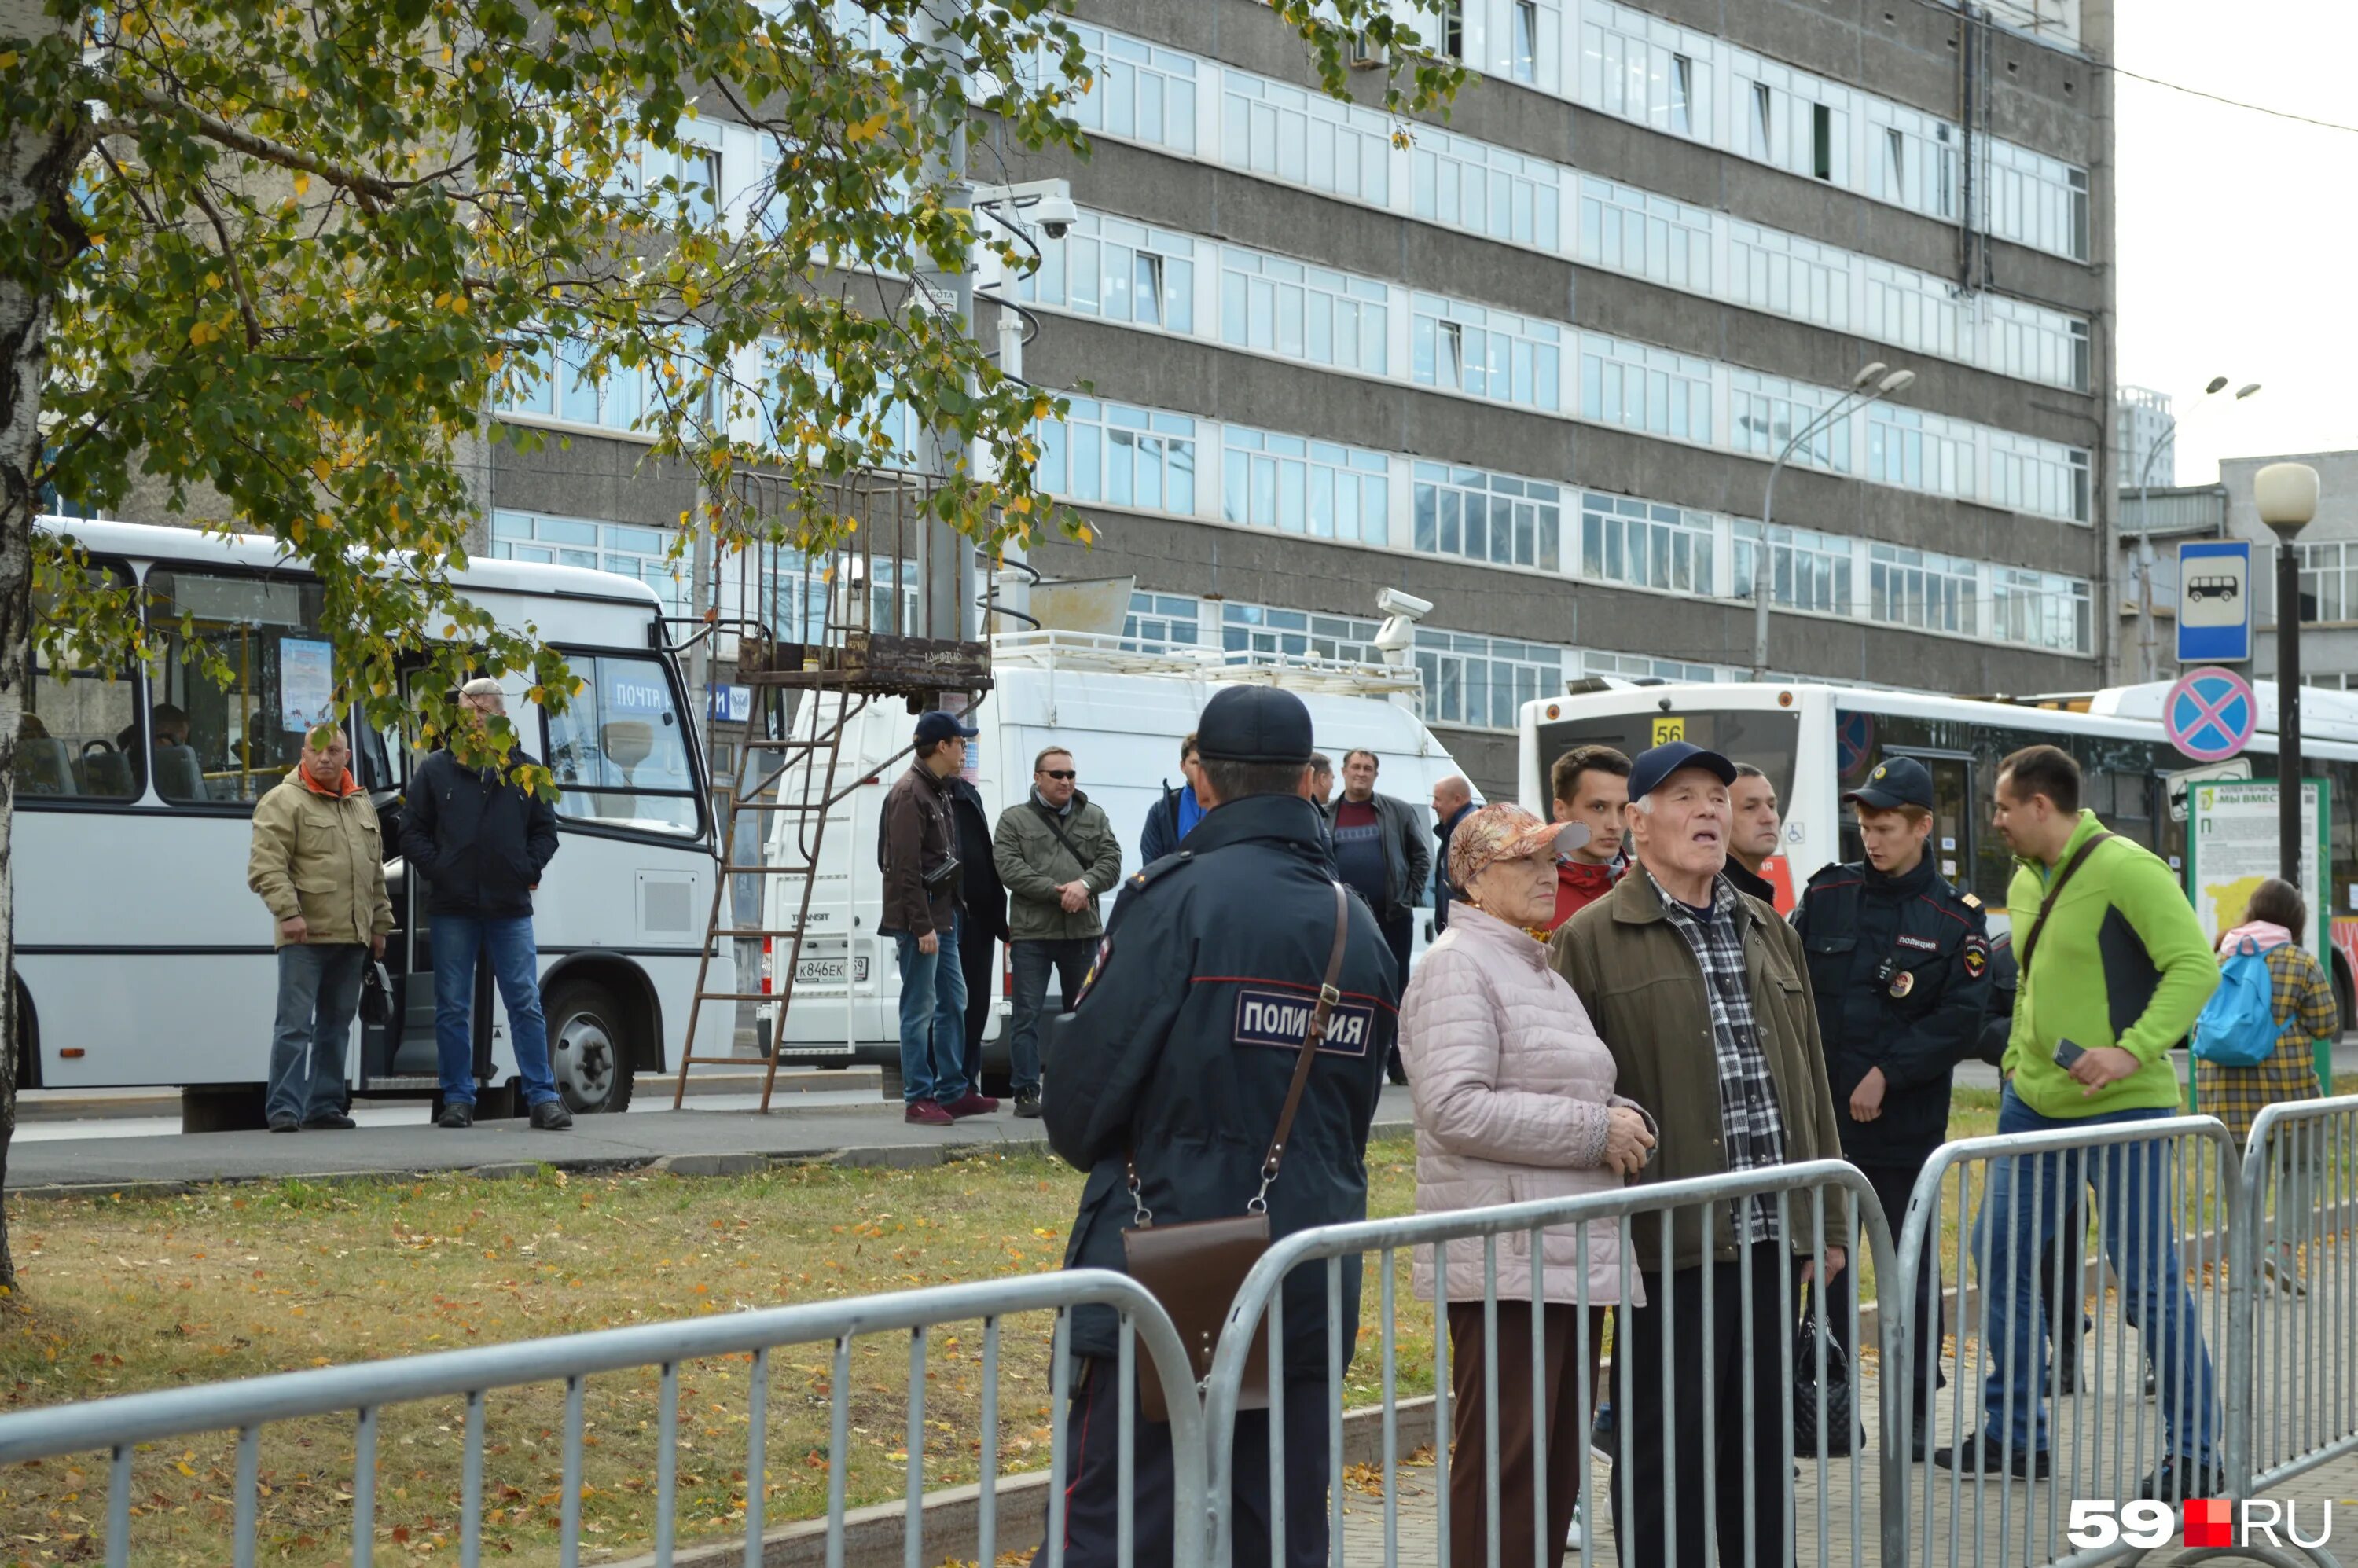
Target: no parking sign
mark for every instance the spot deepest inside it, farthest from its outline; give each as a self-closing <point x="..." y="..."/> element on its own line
<point x="2210" y="714"/>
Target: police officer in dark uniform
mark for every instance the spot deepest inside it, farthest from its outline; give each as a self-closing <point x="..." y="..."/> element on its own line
<point x="1165" y="1055"/>
<point x="1899" y="965"/>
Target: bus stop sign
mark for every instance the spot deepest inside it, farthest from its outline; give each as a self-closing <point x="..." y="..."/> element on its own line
<point x="2215" y="602"/>
<point x="2210" y="714"/>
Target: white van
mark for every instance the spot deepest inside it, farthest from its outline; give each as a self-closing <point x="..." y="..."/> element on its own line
<point x="1122" y="715"/>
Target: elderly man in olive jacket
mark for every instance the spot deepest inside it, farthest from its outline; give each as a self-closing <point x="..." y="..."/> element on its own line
<point x="318" y="862"/>
<point x="1056" y="853"/>
<point x="1695" y="985"/>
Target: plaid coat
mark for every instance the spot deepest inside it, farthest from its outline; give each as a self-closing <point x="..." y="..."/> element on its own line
<point x="2303" y="999"/>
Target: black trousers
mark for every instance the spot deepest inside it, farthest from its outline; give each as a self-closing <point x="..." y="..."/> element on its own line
<point x="1400" y="935"/>
<point x="1093" y="1487"/>
<point x="978" y="961"/>
<point x="1893" y="1185"/>
<point x="1670" y="1330"/>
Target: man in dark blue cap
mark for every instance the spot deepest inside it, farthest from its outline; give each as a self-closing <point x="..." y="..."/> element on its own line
<point x="916" y="848"/>
<point x="1899" y="964"/>
<point x="1178" y="1055"/>
<point x="1701" y="996"/>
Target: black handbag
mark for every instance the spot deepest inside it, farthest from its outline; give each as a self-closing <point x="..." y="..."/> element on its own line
<point x="376" y="994"/>
<point x="1842" y="1428"/>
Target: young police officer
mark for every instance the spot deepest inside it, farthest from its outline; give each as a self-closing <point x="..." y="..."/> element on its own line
<point x="1180" y="1050"/>
<point x="1899" y="964"/>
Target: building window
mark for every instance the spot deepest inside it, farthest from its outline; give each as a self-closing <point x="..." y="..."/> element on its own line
<point x="1645" y="544"/>
<point x="1123" y="456"/>
<point x="1918" y="588"/>
<point x="2043" y="477"/>
<point x="1486" y="517"/>
<point x="1483" y="682"/>
<point x="1627" y="229"/>
<point x="2042" y="610"/>
<point x="1787" y="274"/>
<point x="1641" y="69"/>
<point x="2326" y="588"/>
<point x="1120" y="271"/>
<point x="626" y="549"/>
<point x="1807" y="570"/>
<point x="1525" y="60"/>
<point x="1453" y="29"/>
<point x="1305" y="139"/>
<point x="1649" y="389"/>
<point x="1643" y="666"/>
<point x="1140" y="93"/>
<point x="1158" y="623"/>
<point x="1765" y="412"/>
<point x="1487" y="190"/>
<point x="1319" y="488"/>
<point x="554" y="382"/>
<point x="1309" y="313"/>
<point x="1916" y="450"/>
<point x="1298" y="633"/>
<point x="1489" y="353"/>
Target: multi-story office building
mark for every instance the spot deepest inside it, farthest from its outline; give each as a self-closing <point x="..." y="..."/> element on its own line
<point x="1534" y="364"/>
<point x="2144" y="433"/>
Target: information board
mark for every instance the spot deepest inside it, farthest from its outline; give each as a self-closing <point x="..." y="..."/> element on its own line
<point x="2232" y="849"/>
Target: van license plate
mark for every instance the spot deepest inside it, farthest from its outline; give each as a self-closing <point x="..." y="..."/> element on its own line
<point x="830" y="971"/>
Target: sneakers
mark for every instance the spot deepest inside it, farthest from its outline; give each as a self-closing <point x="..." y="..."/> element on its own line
<point x="333" y="1121"/>
<point x="550" y="1116"/>
<point x="2181" y="1476"/>
<point x="1984" y="1452"/>
<point x="456" y="1113"/>
<point x="284" y="1124"/>
<point x="970" y="1104"/>
<point x="1027" y="1104"/>
<point x="925" y="1113"/>
<point x="1573" y="1536"/>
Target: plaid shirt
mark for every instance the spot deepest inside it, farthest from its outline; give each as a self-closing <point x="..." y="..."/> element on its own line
<point x="2302" y="997"/>
<point x="1749" y="1124"/>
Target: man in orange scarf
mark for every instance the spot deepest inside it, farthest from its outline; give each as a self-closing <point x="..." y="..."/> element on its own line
<point x="318" y="863"/>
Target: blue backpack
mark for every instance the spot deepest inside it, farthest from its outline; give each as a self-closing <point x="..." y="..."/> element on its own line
<point x="2238" y="1024"/>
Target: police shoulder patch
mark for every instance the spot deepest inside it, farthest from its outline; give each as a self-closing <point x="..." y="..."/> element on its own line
<point x="1971" y="901"/>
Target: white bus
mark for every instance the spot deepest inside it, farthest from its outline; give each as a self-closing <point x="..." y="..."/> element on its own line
<point x="142" y="957"/>
<point x="1815" y="741"/>
<point x="1123" y="714"/>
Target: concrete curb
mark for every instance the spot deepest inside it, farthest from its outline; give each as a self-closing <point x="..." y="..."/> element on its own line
<point x="877" y="1537"/>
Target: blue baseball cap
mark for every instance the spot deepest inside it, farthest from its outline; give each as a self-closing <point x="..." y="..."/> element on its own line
<point x="1896" y="781"/>
<point x="1254" y="724"/>
<point x="935" y="727"/>
<point x="1648" y="770"/>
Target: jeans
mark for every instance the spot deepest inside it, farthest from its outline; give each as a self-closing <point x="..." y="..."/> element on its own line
<point x="1069" y="956"/>
<point x="2137" y="1226"/>
<point x="933" y="1017"/>
<point x="515" y="966"/>
<point x="319" y="991"/>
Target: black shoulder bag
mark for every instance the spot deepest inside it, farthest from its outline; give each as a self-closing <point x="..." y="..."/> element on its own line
<point x="2054" y="892"/>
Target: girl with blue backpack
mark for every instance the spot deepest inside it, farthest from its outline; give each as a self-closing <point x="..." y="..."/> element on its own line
<point x="2253" y="1043"/>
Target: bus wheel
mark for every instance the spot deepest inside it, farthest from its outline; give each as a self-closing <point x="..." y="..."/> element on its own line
<point x="587" y="1051"/>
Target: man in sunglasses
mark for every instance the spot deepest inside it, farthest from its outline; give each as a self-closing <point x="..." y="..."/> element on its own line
<point x="1056" y="853"/>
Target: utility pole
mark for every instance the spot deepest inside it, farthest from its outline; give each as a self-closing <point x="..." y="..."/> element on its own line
<point x="2287" y="496"/>
<point x="946" y="560"/>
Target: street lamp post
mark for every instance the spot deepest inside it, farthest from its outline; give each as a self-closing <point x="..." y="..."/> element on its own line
<point x="2286" y="495"/>
<point x="2147" y="664"/>
<point x="1873" y="382"/>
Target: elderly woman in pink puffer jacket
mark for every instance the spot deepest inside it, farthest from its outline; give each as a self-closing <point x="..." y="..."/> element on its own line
<point x="1514" y="1102"/>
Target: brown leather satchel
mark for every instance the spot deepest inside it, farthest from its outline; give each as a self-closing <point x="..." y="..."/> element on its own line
<point x="1195" y="1269"/>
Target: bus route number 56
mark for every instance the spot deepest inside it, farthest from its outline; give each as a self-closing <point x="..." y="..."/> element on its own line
<point x="2096" y="1524"/>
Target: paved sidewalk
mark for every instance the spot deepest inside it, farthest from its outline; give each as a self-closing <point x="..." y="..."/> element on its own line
<point x="698" y="1142"/>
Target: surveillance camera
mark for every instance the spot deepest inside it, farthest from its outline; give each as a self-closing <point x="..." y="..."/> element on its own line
<point x="1392" y="601"/>
<point x="1055" y="215"/>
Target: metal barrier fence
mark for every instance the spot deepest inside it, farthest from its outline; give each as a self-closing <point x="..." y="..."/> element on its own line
<point x="2051" y="1374"/>
<point x="1660" y="1223"/>
<point x="2292" y="1362"/>
<point x="119" y="1427"/>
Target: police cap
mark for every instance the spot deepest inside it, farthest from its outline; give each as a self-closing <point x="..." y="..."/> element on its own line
<point x="1254" y="724"/>
<point x="1896" y="781"/>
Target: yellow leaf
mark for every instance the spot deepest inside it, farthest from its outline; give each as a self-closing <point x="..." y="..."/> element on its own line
<point x="302" y="183"/>
<point x="7" y="59"/>
<point x="864" y="130"/>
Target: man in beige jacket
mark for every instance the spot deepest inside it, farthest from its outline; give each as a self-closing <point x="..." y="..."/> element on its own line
<point x="318" y="863"/>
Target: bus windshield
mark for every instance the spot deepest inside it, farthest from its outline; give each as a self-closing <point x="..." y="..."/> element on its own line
<point x="1767" y="739"/>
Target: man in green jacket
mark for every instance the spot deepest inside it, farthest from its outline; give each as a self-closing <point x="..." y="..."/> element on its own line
<point x="2114" y="969"/>
<point x="1056" y="853"/>
<point x="317" y="862"/>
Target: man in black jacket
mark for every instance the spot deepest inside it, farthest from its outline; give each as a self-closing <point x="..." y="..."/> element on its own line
<point x="1180" y="1050"/>
<point x="482" y="844"/>
<point x="982" y="910"/>
<point x="1899" y="967"/>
